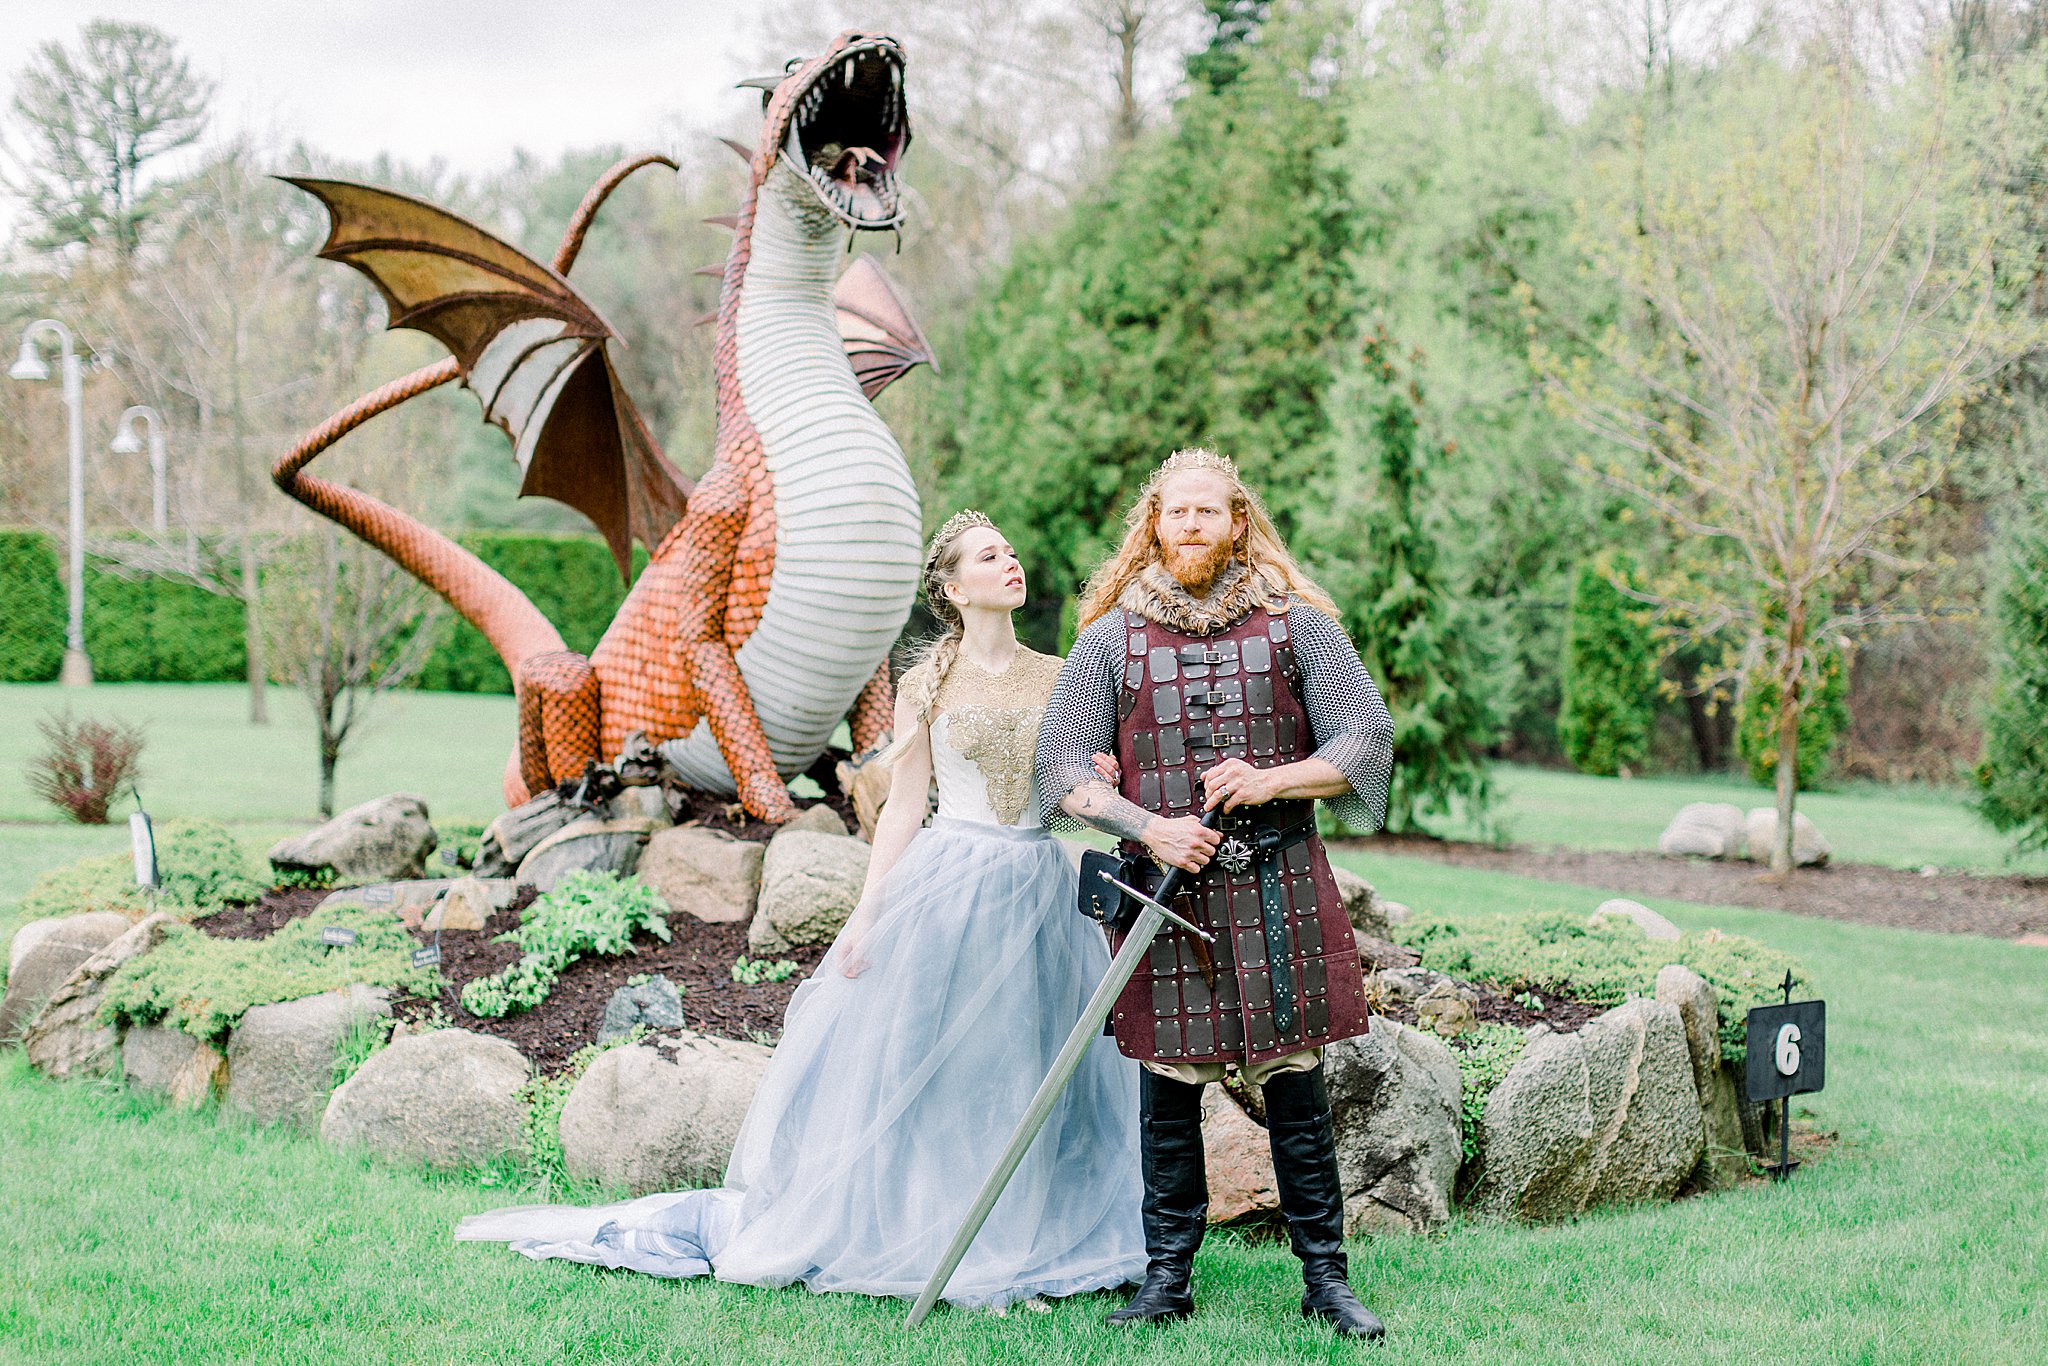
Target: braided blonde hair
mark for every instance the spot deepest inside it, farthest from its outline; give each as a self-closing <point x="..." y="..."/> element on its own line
<point x="1258" y="548"/>
<point x="921" y="682"/>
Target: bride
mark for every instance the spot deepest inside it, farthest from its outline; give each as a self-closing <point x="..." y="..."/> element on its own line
<point x="909" y="1056"/>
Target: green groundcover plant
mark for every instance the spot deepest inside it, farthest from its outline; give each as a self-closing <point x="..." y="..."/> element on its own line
<point x="204" y="985"/>
<point x="200" y="866"/>
<point x="1605" y="961"/>
<point x="1484" y="1054"/>
<point x="588" y="913"/>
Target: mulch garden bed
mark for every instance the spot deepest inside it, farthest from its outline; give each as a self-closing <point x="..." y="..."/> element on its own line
<point x="1949" y="901"/>
<point x="698" y="960"/>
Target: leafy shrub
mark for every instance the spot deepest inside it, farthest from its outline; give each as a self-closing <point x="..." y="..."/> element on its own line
<point x="1605" y="963"/>
<point x="1484" y="1054"/>
<point x="754" y="971"/>
<point x="199" y="864"/>
<point x="85" y="765"/>
<point x="2013" y="776"/>
<point x="31" y="608"/>
<point x="459" y="844"/>
<point x="204" y="985"/>
<point x="1825" y="716"/>
<point x="1610" y="675"/>
<point x="545" y="1097"/>
<point x="587" y="913"/>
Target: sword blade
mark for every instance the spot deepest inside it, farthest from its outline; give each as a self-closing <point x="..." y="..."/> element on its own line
<point x="1128" y="890"/>
<point x="1086" y="1031"/>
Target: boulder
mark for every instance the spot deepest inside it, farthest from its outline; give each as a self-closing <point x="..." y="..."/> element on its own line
<point x="1722" y="1163"/>
<point x="66" y="1038"/>
<point x="42" y="957"/>
<point x="512" y="836"/>
<point x="1809" y="846"/>
<point x="1361" y="903"/>
<point x="1394" y="1102"/>
<point x="650" y="803"/>
<point x="655" y="1003"/>
<point x="818" y="817"/>
<point x="1238" y="1157"/>
<point x="378" y="841"/>
<point x="1395" y="912"/>
<point x="704" y="873"/>
<point x="281" y="1057"/>
<point x="1449" y="1008"/>
<point x="469" y="903"/>
<point x="409" y="897"/>
<point x="447" y="1098"/>
<point x="1703" y="830"/>
<point x="662" y="1115"/>
<point x="1653" y="925"/>
<point x="1410" y="984"/>
<point x="1603" y="1116"/>
<point x="171" y="1064"/>
<point x="865" y="779"/>
<point x="603" y="846"/>
<point x="809" y="884"/>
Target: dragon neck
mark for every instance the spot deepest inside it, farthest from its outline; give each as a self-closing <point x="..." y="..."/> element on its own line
<point x="787" y="247"/>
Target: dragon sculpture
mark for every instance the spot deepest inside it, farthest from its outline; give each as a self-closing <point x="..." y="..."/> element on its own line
<point x="778" y="582"/>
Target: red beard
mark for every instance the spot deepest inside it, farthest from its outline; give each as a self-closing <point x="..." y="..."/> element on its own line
<point x="1197" y="566"/>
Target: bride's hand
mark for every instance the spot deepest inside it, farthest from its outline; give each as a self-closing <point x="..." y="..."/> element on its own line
<point x="1107" y="768"/>
<point x="854" y="962"/>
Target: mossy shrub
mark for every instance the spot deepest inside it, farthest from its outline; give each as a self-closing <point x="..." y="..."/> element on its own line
<point x="1605" y="961"/>
<point x="203" y="986"/>
<point x="200" y="865"/>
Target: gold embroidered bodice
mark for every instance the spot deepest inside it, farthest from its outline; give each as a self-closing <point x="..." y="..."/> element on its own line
<point x="984" y="732"/>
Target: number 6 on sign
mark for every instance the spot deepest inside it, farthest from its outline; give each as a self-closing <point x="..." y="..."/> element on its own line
<point x="1787" y="1052"/>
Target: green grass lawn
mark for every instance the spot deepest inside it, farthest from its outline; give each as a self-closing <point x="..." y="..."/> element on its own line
<point x="140" y="1235"/>
<point x="203" y="758"/>
<point x="1900" y="827"/>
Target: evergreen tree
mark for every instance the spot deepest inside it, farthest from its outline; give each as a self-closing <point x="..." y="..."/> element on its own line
<point x="1610" y="674"/>
<point x="1376" y="551"/>
<point x="1196" y="297"/>
<point x="2014" y="772"/>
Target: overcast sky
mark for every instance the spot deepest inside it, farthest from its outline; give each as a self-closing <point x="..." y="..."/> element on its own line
<point x="465" y="82"/>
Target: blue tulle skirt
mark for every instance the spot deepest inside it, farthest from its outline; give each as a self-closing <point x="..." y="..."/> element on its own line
<point x="891" y="1096"/>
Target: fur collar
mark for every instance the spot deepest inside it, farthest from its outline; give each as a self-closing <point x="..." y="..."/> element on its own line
<point x="1157" y="596"/>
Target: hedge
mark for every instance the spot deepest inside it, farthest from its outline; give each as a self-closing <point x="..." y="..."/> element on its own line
<point x="573" y="580"/>
<point x="31" y="608"/>
<point x="154" y="630"/>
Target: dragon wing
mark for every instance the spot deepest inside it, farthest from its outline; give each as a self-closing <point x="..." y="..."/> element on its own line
<point x="529" y="347"/>
<point x="882" y="340"/>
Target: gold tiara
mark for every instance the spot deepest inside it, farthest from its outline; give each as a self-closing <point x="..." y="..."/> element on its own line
<point x="963" y="520"/>
<point x="1199" y="458"/>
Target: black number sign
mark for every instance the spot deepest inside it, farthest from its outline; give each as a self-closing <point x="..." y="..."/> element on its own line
<point x="1787" y="1050"/>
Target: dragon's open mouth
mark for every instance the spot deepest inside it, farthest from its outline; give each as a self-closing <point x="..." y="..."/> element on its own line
<point x="847" y="131"/>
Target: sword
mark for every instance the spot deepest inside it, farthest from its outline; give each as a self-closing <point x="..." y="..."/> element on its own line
<point x="1086" y="1031"/>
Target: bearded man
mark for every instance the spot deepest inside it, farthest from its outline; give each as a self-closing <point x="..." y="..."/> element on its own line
<point x="1214" y="670"/>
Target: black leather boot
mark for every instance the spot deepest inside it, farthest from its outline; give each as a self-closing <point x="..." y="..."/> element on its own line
<point x="1312" y="1199"/>
<point x="1176" y="1210"/>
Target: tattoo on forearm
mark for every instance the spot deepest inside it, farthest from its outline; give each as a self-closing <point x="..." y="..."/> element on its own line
<point x="1102" y="806"/>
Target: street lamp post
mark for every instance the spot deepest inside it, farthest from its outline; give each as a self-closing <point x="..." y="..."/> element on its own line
<point x="124" y="443"/>
<point x="29" y="365"/>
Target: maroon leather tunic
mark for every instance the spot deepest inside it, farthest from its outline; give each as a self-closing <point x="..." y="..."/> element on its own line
<point x="1286" y="973"/>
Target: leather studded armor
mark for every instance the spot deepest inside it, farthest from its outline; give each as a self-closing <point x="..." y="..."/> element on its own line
<point x="1283" y="974"/>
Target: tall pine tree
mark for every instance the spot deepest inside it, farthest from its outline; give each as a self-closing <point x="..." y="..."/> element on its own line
<point x="1196" y="297"/>
<point x="1610" y="674"/>
<point x="2014" y="771"/>
<point x="1377" y="552"/>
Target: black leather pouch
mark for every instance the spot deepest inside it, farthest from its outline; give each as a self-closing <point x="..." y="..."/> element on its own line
<point x="1100" y="901"/>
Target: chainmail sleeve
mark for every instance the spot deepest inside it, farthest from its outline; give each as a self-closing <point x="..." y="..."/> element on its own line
<point x="1080" y="717"/>
<point x="1349" y="719"/>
